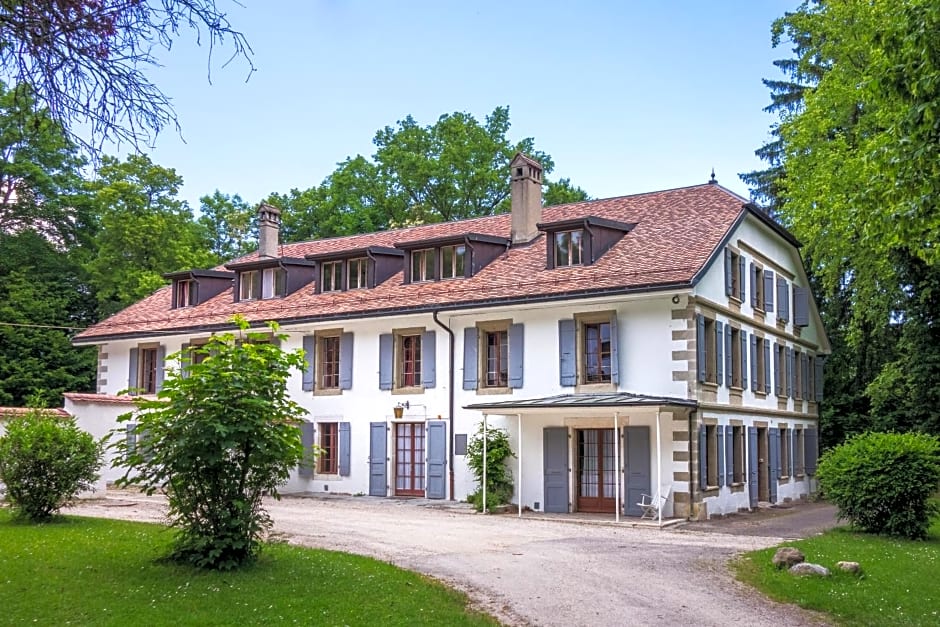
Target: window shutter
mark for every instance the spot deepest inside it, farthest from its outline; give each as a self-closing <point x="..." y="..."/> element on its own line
<point x="790" y="362"/>
<point x="567" y="352"/>
<point x="614" y="351"/>
<point x="729" y="454"/>
<point x="386" y="351"/>
<point x="256" y="280"/>
<point x="237" y="289"/>
<point x="344" y="446"/>
<point x="720" y="433"/>
<point x="753" y="286"/>
<point x="811" y="449"/>
<point x="719" y="353"/>
<point x="306" y="441"/>
<point x="470" y="360"/>
<point x="186" y="358"/>
<point x="702" y="461"/>
<point x="194" y="293"/>
<point x="768" y="291"/>
<point x="792" y="459"/>
<point x="429" y="359"/>
<point x="754" y="382"/>
<point x="743" y="359"/>
<point x="774" y="451"/>
<point x="783" y="299"/>
<point x="800" y="306"/>
<point x="728" y="285"/>
<point x="516" y="354"/>
<point x="729" y="359"/>
<point x="160" y="367"/>
<point x="700" y="347"/>
<point x="132" y="374"/>
<point x="804" y="369"/>
<point x="820" y="362"/>
<point x="742" y="278"/>
<point x="130" y="436"/>
<point x="345" y="361"/>
<point x="309" y="343"/>
<point x="766" y="367"/>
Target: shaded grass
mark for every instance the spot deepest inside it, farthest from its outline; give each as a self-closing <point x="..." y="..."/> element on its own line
<point x="83" y="571"/>
<point x="899" y="585"/>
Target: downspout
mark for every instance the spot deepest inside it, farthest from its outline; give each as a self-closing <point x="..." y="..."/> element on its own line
<point x="450" y="393"/>
<point x="691" y="465"/>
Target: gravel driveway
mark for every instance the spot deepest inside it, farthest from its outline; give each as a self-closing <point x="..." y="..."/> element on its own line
<point x="531" y="571"/>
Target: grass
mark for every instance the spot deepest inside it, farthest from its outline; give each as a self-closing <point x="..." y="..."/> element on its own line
<point x="899" y="584"/>
<point x="83" y="571"/>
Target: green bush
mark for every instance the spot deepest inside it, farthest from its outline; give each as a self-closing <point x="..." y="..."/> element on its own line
<point x="45" y="461"/>
<point x="882" y="482"/>
<point x="499" y="486"/>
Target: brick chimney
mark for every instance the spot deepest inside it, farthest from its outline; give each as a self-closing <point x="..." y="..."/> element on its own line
<point x="269" y="227"/>
<point x="526" y="195"/>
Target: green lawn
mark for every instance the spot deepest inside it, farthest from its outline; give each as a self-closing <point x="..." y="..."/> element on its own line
<point x="84" y="571"/>
<point x="900" y="584"/>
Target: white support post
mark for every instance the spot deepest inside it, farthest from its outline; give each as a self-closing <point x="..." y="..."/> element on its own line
<point x="519" y="489"/>
<point x="617" y="471"/>
<point x="659" y="469"/>
<point x="484" y="462"/>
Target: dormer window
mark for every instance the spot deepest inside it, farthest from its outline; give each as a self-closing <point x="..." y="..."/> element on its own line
<point x="356" y="269"/>
<point x="422" y="265"/>
<point x="357" y="273"/>
<point x="250" y="285"/>
<point x="185" y="293"/>
<point x="331" y="276"/>
<point x="194" y="287"/>
<point x="280" y="282"/>
<point x="452" y="261"/>
<point x="279" y="277"/>
<point x="568" y="248"/>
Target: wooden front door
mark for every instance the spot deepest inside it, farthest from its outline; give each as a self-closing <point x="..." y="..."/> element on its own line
<point x="597" y="474"/>
<point x="409" y="459"/>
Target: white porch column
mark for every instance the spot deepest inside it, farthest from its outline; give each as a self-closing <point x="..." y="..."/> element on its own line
<point x="519" y="420"/>
<point x="484" y="462"/>
<point x="618" y="472"/>
<point x="659" y="468"/>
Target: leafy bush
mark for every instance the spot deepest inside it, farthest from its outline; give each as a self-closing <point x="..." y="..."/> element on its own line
<point x="882" y="482"/>
<point x="217" y="440"/>
<point x="499" y="485"/>
<point x="45" y="461"/>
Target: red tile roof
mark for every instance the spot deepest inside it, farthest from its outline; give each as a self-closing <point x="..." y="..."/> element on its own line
<point x="11" y="412"/>
<point x="676" y="233"/>
<point x="84" y="397"/>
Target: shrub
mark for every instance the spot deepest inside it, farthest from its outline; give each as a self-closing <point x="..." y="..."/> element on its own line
<point x="499" y="485"/>
<point x="45" y="461"/>
<point x="217" y="440"/>
<point x="882" y="482"/>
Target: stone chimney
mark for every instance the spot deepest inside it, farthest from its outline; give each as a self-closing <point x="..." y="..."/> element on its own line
<point x="526" y="194"/>
<point x="269" y="226"/>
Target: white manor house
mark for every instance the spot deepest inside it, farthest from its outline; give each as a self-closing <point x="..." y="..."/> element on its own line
<point x="659" y="343"/>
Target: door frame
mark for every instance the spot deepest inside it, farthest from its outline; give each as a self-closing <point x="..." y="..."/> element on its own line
<point x="600" y="504"/>
<point x="417" y="428"/>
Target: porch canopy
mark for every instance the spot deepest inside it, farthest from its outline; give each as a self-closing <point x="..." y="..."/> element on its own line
<point x="583" y="404"/>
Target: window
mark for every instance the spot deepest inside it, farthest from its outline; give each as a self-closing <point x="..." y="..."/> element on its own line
<point x="185" y="293"/>
<point x="711" y="455"/>
<point x="452" y="261"/>
<point x="780" y="364"/>
<point x="737" y="454"/>
<point x="761" y="368"/>
<point x="328" y="460"/>
<point x="328" y="362"/>
<point x="711" y="351"/>
<point x="280" y="282"/>
<point x="249" y="285"/>
<point x="496" y="359"/>
<point x="422" y="265"/>
<point x="357" y="270"/>
<point x="493" y="356"/>
<point x="409" y="361"/>
<point x="147" y="371"/>
<point x="597" y="352"/>
<point x="568" y="248"/>
<point x="757" y="287"/>
<point x="785" y="469"/>
<point x="331" y="276"/>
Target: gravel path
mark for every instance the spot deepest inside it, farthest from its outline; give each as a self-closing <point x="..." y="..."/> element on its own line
<point x="531" y="571"/>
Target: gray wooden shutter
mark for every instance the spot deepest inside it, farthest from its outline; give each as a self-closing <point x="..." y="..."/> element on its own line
<point x="720" y="434"/>
<point x="728" y="270"/>
<point x="702" y="458"/>
<point x="378" y="452"/>
<point x="470" y="359"/>
<point x="783" y="299"/>
<point x="729" y="359"/>
<point x="132" y="371"/>
<point x="790" y="362"/>
<point x="186" y="360"/>
<point x="516" y="354"/>
<point x="700" y="347"/>
<point x="160" y="367"/>
<point x="306" y="441"/>
<point x="344" y="448"/>
<point x="742" y="277"/>
<point x="793" y="463"/>
<point x="811" y="449"/>
<point x="752" y="463"/>
<point x="345" y="361"/>
<point x="437" y="459"/>
<point x="754" y="382"/>
<point x="636" y="469"/>
<point x="429" y="359"/>
<point x="778" y="380"/>
<point x="768" y="291"/>
<point x="614" y="351"/>
<point x="804" y="369"/>
<point x="774" y="437"/>
<point x="555" y="469"/>
<point x="766" y="367"/>
<point x="130" y="435"/>
<point x="719" y="353"/>
<point x="753" y="286"/>
<point x="818" y="376"/>
<point x="800" y="306"/>
<point x="567" y="352"/>
<point x="309" y="343"/>
<point x="729" y="454"/>
<point x="256" y="280"/>
<point x="743" y="359"/>
<point x="386" y="353"/>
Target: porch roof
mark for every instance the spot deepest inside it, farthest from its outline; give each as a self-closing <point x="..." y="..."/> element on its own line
<point x="620" y="399"/>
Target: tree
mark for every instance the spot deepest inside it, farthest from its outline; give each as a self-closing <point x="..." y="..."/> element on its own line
<point x="499" y="484"/>
<point x="230" y="223"/>
<point x="145" y="231"/>
<point x="84" y="59"/>
<point x="562" y="192"/>
<point x="217" y="439"/>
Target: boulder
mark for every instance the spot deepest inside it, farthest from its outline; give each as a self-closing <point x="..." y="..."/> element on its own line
<point x="850" y="567"/>
<point x="787" y="556"/>
<point x="806" y="569"/>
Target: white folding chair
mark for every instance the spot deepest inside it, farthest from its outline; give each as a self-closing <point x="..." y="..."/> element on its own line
<point x="651" y="505"/>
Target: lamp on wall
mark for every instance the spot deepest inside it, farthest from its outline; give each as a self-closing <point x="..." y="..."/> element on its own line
<point x="399" y="409"/>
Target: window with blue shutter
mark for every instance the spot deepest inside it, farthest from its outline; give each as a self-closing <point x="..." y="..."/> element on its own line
<point x="470" y="362"/>
<point x="783" y="299"/>
<point x="720" y="434"/>
<point x="309" y="344"/>
<point x="386" y="361"/>
<point x="702" y="458"/>
<point x="766" y="367"/>
<point x="700" y="341"/>
<point x="429" y="359"/>
<point x="729" y="270"/>
<point x="345" y="443"/>
<point x="768" y="291"/>
<point x="729" y="357"/>
<point x="306" y="440"/>
<point x="755" y="282"/>
<point x="800" y="306"/>
<point x="743" y="360"/>
<point x="818" y="377"/>
<point x="567" y="352"/>
<point x="742" y="269"/>
<point x="811" y="439"/>
<point x="719" y="353"/>
<point x="754" y="379"/>
<point x="790" y="362"/>
<point x="516" y="355"/>
<point x="345" y="361"/>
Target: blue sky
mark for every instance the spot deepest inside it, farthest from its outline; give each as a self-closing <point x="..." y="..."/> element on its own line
<point x="626" y="96"/>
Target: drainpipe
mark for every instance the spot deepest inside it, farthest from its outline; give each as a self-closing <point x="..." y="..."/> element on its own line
<point x="450" y="393"/>
<point x="691" y="482"/>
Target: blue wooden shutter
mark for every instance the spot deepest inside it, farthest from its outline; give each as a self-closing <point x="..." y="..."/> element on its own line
<point x="743" y="359"/>
<point x="742" y="278"/>
<point x="753" y="285"/>
<point x="700" y="347"/>
<point x="516" y="354"/>
<point x="470" y="359"/>
<point x="793" y="463"/>
<point x="636" y="469"/>
<point x="378" y="452"/>
<point x="767" y="367"/>
<point x="306" y="440"/>
<point x="818" y="375"/>
<point x="752" y="463"/>
<point x="130" y="435"/>
<point x="800" y="306"/>
<point x="160" y="367"/>
<point x="778" y="380"/>
<point x="345" y="361"/>
<point x="768" y="291"/>
<point x="790" y="362"/>
<point x="774" y="437"/>
<point x="783" y="299"/>
<point x="567" y="352"/>
<point x="754" y="382"/>
<point x="729" y="359"/>
<point x="702" y="458"/>
<point x="614" y="351"/>
<point x="719" y="353"/>
<point x="309" y="344"/>
<point x="185" y="359"/>
<point x="345" y="442"/>
<point x="437" y="459"/>
<point x="386" y="354"/>
<point x="729" y="454"/>
<point x="811" y="449"/>
<point x="720" y="434"/>
<point x="804" y="369"/>
<point x="728" y="270"/>
<point x="429" y="359"/>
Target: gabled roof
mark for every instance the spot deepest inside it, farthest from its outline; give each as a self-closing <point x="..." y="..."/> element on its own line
<point x="676" y="232"/>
